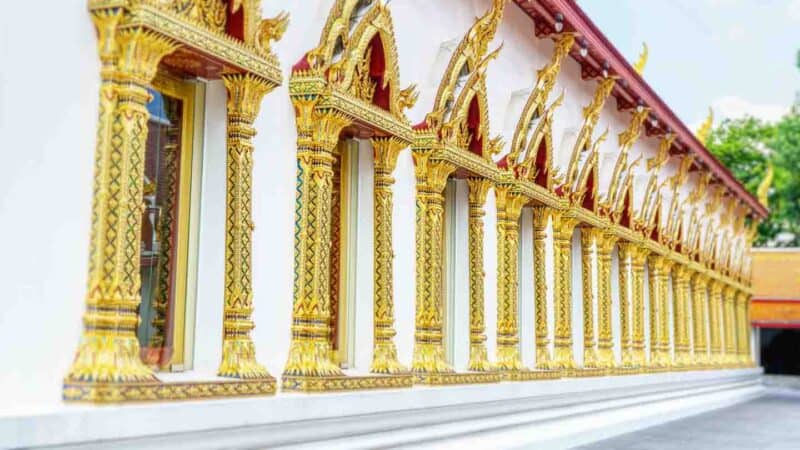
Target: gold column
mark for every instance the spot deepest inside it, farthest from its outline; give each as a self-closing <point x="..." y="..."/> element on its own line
<point x="108" y="352"/>
<point x="605" y="341"/>
<point x="729" y="325"/>
<point x="245" y="93"/>
<point x="626" y="250"/>
<point x="588" y="236"/>
<point x="384" y="352"/>
<point x="741" y="328"/>
<point x="509" y="207"/>
<point x="317" y="135"/>
<point x="431" y="179"/>
<point x="638" y="260"/>
<point x="664" y="297"/>
<point x="541" y="215"/>
<point x="335" y="271"/>
<point x="478" y="357"/>
<point x="680" y="320"/>
<point x="563" y="227"/>
<point x="748" y="331"/>
<point x="659" y="325"/>
<point x="700" y="317"/>
<point x="714" y="322"/>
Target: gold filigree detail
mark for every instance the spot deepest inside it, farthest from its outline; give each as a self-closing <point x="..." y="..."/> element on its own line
<point x="384" y="354"/>
<point x="478" y="356"/>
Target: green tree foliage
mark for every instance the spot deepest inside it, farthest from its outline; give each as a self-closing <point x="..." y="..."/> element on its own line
<point x="746" y="146"/>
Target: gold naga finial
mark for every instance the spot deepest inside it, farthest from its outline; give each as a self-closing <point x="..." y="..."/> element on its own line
<point x="699" y="191"/>
<point x="270" y="30"/>
<point x="629" y="137"/>
<point x="683" y="172"/>
<point x="763" y="187"/>
<point x="662" y="156"/>
<point x="642" y="61"/>
<point x="705" y="128"/>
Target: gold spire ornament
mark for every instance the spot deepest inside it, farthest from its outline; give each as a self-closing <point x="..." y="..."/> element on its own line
<point x="705" y="128"/>
<point x="642" y="61"/>
<point x="766" y="183"/>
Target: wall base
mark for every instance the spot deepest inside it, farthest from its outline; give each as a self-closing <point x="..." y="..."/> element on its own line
<point x="548" y="413"/>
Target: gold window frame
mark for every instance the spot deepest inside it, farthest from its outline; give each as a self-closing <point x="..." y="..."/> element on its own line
<point x="186" y="228"/>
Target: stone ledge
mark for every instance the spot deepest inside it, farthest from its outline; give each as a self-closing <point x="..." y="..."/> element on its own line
<point x="377" y="418"/>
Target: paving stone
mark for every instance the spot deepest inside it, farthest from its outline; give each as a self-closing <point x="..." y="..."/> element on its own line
<point x="768" y="422"/>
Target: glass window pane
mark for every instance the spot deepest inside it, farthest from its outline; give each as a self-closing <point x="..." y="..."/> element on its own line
<point x="160" y="229"/>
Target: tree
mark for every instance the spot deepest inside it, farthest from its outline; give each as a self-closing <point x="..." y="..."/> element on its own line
<point x="746" y="146"/>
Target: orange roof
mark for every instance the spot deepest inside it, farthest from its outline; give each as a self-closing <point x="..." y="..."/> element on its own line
<point x="776" y="273"/>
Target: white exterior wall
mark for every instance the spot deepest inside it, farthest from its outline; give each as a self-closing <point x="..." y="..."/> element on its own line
<point x="46" y="188"/>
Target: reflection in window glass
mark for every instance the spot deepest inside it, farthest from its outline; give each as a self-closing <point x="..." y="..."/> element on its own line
<point x="159" y="229"/>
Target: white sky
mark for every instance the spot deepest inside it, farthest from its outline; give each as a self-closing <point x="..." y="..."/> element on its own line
<point x="735" y="55"/>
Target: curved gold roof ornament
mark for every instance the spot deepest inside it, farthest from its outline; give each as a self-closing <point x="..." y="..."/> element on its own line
<point x="545" y="81"/>
<point x="699" y="191"/>
<point x="704" y="131"/>
<point x="626" y="140"/>
<point x="640" y="64"/>
<point x="470" y="52"/>
<point x="766" y="183"/>
<point x="591" y="115"/>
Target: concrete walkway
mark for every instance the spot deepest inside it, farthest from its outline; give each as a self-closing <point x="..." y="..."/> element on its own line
<point x="768" y="422"/>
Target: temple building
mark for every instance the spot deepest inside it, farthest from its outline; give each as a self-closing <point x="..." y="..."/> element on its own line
<point x="776" y="309"/>
<point x="356" y="224"/>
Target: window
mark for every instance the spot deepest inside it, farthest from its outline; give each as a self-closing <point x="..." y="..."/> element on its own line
<point x="165" y="239"/>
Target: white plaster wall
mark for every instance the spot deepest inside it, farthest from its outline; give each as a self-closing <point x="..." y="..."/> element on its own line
<point x="527" y="319"/>
<point x="50" y="165"/>
<point x="47" y="137"/>
<point x="403" y="223"/>
<point x="460" y="325"/>
<point x="616" y="320"/>
<point x="577" y="299"/>
<point x="550" y="280"/>
<point x="365" y="259"/>
<point x="490" y="271"/>
<point x="211" y="244"/>
<point x="646" y="300"/>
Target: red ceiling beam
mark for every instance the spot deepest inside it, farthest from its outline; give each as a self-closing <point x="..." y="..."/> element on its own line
<point x="632" y="89"/>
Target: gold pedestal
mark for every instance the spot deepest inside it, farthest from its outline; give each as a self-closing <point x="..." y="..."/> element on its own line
<point x="585" y="372"/>
<point x="531" y="374"/>
<point x="159" y="391"/>
<point x="301" y="383"/>
<point x="452" y="378"/>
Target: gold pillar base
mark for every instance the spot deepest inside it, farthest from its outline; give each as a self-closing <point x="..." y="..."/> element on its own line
<point x="543" y="358"/>
<point x="102" y="359"/>
<point x="525" y="374"/>
<point x="310" y="358"/>
<point x="453" y="378"/>
<point x="300" y="383"/>
<point x="605" y="356"/>
<point x="683" y="360"/>
<point x="384" y="359"/>
<point x="591" y="359"/>
<point x="629" y="358"/>
<point x="158" y="391"/>
<point x="508" y="358"/>
<point x="239" y="360"/>
<point x="563" y="358"/>
<point x="479" y="359"/>
<point x="429" y="358"/>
